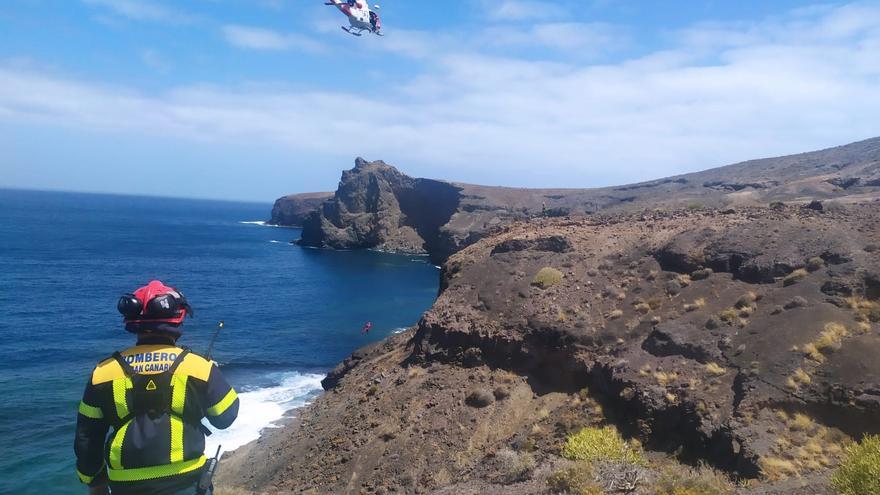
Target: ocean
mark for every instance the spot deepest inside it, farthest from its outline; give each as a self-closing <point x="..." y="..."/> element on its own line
<point x="290" y="313"/>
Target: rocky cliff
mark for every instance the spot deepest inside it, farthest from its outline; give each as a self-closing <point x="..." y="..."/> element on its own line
<point x="728" y="319"/>
<point x="378" y="207"/>
<point x="293" y="210"/>
<point x="744" y="339"/>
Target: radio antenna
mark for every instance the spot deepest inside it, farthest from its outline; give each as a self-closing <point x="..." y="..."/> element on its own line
<point x="220" y="326"/>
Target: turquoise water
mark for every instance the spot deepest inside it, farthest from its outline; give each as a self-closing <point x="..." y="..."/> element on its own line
<point x="291" y="313"/>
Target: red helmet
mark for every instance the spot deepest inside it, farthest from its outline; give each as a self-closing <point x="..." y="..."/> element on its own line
<point x="154" y="303"/>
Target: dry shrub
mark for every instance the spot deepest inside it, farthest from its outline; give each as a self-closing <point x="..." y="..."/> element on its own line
<point x="615" y="314"/>
<point x="746" y="299"/>
<point x="697" y="304"/>
<point x="776" y="469"/>
<point x="728" y="316"/>
<point x="814" y="264"/>
<point x="715" y="370"/>
<point x="683" y="480"/>
<point x="547" y="277"/>
<point x="664" y="378"/>
<point x="575" y="480"/>
<point x="794" y="277"/>
<point x="515" y="466"/>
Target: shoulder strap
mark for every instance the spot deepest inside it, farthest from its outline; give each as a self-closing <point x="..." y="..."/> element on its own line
<point x="126" y="368"/>
<point x="177" y="361"/>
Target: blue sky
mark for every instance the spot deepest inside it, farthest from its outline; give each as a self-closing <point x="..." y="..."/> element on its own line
<point x="254" y="99"/>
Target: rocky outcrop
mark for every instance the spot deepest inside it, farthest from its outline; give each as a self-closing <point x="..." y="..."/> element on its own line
<point x="378" y="207"/>
<point x="291" y="211"/>
<point x="767" y="359"/>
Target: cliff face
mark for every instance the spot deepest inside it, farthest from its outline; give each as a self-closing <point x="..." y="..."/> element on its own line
<point x="378" y="207"/>
<point x="292" y="210"/>
<point x="744" y="339"/>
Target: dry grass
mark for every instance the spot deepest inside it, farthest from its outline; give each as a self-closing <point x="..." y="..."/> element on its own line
<point x="715" y="370"/>
<point x="682" y="480"/>
<point x="794" y="277"/>
<point x="805" y="444"/>
<point x="776" y="469"/>
<point x="643" y="308"/>
<point x="515" y="466"/>
<point x="697" y="304"/>
<point x="613" y="315"/>
<point x="829" y="340"/>
<point x="865" y="309"/>
<point x="747" y="299"/>
<point x="798" y="378"/>
<point x="575" y="480"/>
<point x="683" y="280"/>
<point x="664" y="378"/>
<point x="728" y="315"/>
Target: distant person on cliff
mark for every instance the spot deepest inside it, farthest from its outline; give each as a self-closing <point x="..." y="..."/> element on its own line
<point x="154" y="396"/>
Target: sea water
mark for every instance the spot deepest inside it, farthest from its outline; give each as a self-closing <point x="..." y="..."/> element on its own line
<point x="290" y="313"/>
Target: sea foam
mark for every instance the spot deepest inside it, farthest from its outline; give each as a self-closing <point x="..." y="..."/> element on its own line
<point x="263" y="407"/>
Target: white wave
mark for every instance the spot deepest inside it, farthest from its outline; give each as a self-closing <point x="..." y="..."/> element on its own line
<point x="262" y="223"/>
<point x="399" y="330"/>
<point x="263" y="407"/>
<point x="275" y="242"/>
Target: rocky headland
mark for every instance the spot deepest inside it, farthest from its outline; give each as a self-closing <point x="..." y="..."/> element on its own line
<point x="711" y="338"/>
<point x="378" y="207"/>
<point x="292" y="210"/>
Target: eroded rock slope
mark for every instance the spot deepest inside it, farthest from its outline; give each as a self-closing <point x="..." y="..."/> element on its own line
<point x="744" y="339"/>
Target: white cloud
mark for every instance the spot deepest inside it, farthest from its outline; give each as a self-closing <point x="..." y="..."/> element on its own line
<point x="518" y="10"/>
<point x="265" y="39"/>
<point x="578" y="38"/>
<point x="141" y="10"/>
<point x="722" y="94"/>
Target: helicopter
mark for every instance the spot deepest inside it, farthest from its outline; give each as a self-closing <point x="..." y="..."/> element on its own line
<point x="360" y="16"/>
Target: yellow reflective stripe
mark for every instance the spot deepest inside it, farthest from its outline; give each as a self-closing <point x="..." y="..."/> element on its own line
<point x="149" y="473"/>
<point x="120" y="385"/>
<point x="221" y="407"/>
<point x="116" y="447"/>
<point x="90" y="411"/>
<point x="176" y="440"/>
<point x="178" y="393"/>
<point x="84" y="478"/>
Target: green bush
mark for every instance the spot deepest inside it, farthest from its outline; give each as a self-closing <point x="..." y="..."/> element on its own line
<point x="859" y="473"/>
<point x="547" y="277"/>
<point x="599" y="444"/>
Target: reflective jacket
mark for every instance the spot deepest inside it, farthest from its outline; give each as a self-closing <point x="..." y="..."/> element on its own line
<point x="153" y="397"/>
